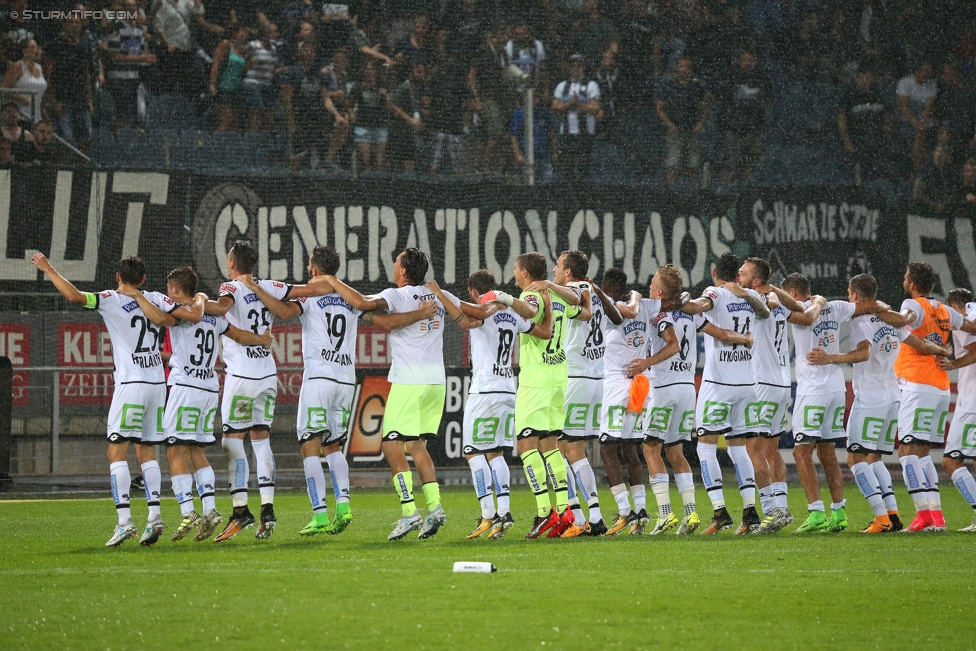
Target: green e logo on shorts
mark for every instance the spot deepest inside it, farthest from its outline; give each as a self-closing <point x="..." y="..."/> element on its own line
<point x="576" y="415"/>
<point x="813" y="416"/>
<point x="890" y="434"/>
<point x="871" y="430"/>
<point x="923" y="420"/>
<point x="269" y="405"/>
<point x="187" y="419"/>
<point x="687" y="425"/>
<point x="596" y="416"/>
<point x="838" y="419"/>
<point x="659" y="418"/>
<point x="715" y="412"/>
<point x="160" y="412"/>
<point x="132" y="416"/>
<point x="510" y="427"/>
<point x="760" y="413"/>
<point x="615" y="418"/>
<point x="316" y="419"/>
<point x="969" y="436"/>
<point x="484" y="429"/>
<point x="241" y="408"/>
<point x="208" y="421"/>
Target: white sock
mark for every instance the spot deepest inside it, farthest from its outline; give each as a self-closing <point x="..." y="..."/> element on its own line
<point x="932" y="479"/>
<point x="836" y="506"/>
<point x="501" y="476"/>
<point x="481" y="480"/>
<point x="339" y="474"/>
<point x="154" y="486"/>
<point x="315" y="483"/>
<point x="183" y="489"/>
<point x="686" y="486"/>
<point x="121" y="483"/>
<point x="745" y="474"/>
<point x="780" y="494"/>
<point x="816" y="506"/>
<point x="586" y="480"/>
<point x="661" y="487"/>
<point x="884" y="481"/>
<point x="238" y="470"/>
<point x="264" y="464"/>
<point x="711" y="473"/>
<point x="572" y="494"/>
<point x="963" y="479"/>
<point x="639" y="493"/>
<point x="206" y="481"/>
<point x="915" y="481"/>
<point x="870" y="488"/>
<point x="766" y="499"/>
<point x="622" y="497"/>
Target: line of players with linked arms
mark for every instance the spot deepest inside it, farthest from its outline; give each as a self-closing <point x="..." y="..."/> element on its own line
<point x="595" y="362"/>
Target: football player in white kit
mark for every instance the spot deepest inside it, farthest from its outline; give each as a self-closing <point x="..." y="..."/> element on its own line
<point x="873" y="420"/>
<point x="670" y="409"/>
<point x="726" y="400"/>
<point x="961" y="444"/>
<point x="329" y="335"/>
<point x="135" y="415"/>
<point x="191" y="406"/>
<point x="250" y="391"/>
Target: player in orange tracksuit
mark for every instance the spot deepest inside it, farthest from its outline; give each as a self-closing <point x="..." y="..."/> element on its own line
<point x="924" y="393"/>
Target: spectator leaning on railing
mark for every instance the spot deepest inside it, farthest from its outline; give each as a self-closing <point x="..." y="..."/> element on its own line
<point x="27" y="75"/>
<point x="67" y="65"/>
<point x="313" y="120"/>
<point x="368" y="112"/>
<point x="227" y="77"/>
<point x="682" y="106"/>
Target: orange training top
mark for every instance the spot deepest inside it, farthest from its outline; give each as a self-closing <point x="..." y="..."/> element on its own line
<point x="912" y="365"/>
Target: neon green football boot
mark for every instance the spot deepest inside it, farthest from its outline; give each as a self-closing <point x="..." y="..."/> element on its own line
<point x="319" y="524"/>
<point x="837" y="522"/>
<point x="816" y="521"/>
<point x="342" y="520"/>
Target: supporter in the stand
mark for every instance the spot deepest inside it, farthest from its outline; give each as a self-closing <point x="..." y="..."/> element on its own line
<point x="227" y="77"/>
<point x="964" y="196"/>
<point x="528" y="53"/>
<point x="916" y="99"/>
<point x="492" y="98"/>
<point x="449" y="99"/>
<point x="15" y="31"/>
<point x="935" y="185"/>
<point x="333" y="28"/>
<point x="305" y="33"/>
<point x="44" y="150"/>
<point x="125" y="47"/>
<point x="864" y="123"/>
<point x="368" y="112"/>
<point x="6" y="152"/>
<point x="414" y="48"/>
<point x="313" y="119"/>
<point x="364" y="44"/>
<point x="258" y="86"/>
<point x="598" y="32"/>
<point x="339" y="80"/>
<point x="607" y="77"/>
<point x="742" y="104"/>
<point x="18" y="137"/>
<point x="669" y="47"/>
<point x="576" y="104"/>
<point x="174" y="22"/>
<point x="543" y="137"/>
<point x="811" y="56"/>
<point x="682" y="107"/>
<point x="409" y="109"/>
<point x="955" y="106"/>
<point x="72" y="90"/>
<point x="27" y="75"/>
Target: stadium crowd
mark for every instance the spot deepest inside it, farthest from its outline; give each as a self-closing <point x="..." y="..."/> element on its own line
<point x="623" y="88"/>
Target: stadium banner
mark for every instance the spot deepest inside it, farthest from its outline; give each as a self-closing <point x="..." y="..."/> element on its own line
<point x="463" y="226"/>
<point x="86" y="220"/>
<point x="948" y="244"/>
<point x="15" y="344"/>
<point x="829" y="234"/>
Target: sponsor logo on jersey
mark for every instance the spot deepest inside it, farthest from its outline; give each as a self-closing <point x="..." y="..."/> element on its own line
<point x="277" y="284"/>
<point x="825" y="325"/>
<point x="882" y="333"/>
<point x="505" y="317"/>
<point x="935" y="338"/>
<point x="331" y="300"/>
<point x="128" y="307"/>
<point x="739" y="307"/>
<point x="228" y="287"/>
<point x="212" y="320"/>
<point x="430" y="326"/>
<point x="251" y="298"/>
<point x="106" y="294"/>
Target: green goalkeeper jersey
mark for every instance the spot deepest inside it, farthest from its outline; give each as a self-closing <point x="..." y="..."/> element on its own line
<point x="542" y="362"/>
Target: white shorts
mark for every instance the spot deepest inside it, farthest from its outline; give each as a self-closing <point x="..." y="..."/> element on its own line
<point x="189" y="417"/>
<point x="248" y="403"/>
<point x="772" y="411"/>
<point x="872" y="429"/>
<point x="961" y="443"/>
<point x="617" y="425"/>
<point x="670" y="415"/>
<point x="583" y="401"/>
<point x="922" y="417"/>
<point x="323" y="410"/>
<point x="489" y="422"/>
<point x="819" y="418"/>
<point x="722" y="409"/>
<point x="136" y="413"/>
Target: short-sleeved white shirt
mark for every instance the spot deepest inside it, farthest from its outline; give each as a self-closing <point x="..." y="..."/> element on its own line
<point x="136" y="341"/>
<point x="249" y="313"/>
<point x="194" y="355"/>
<point x="585" y="342"/>
<point x="771" y="352"/>
<point x="966" y="382"/>
<point x="492" y="349"/>
<point x="418" y="349"/>
<point x="875" y="383"/>
<point x="627" y="341"/>
<point x="725" y="363"/>
<point x="329" y="332"/>
<point x="680" y="368"/>
<point x="812" y="380"/>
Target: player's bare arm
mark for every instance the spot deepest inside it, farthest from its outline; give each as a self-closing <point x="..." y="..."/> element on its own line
<point x="671" y="348"/>
<point x="629" y="309"/>
<point x="524" y="309"/>
<point x="152" y="312"/>
<point x="455" y="312"/>
<point x="354" y="298"/>
<point x="62" y="284"/>
<point x="317" y="286"/>
<point x="927" y="347"/>
<point x="869" y="307"/>
<point x="609" y="307"/>
<point x="808" y="315"/>
<point x="248" y="338"/>
<point x="756" y="303"/>
<point x="220" y="307"/>
<point x="194" y="312"/>
<point x="729" y="336"/>
<point x="819" y="357"/>
<point x="283" y="310"/>
<point x="698" y="305"/>
<point x="958" y="362"/>
<point x="568" y="294"/>
<point x="387" y="321"/>
<point x="784" y="298"/>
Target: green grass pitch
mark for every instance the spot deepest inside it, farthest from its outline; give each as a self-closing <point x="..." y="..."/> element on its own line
<point x="60" y="588"/>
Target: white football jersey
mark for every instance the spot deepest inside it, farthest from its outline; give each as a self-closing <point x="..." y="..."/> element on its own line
<point x="329" y="331"/>
<point x="136" y="341"/>
<point x="729" y="364"/>
<point x="492" y="348"/>
<point x="195" y="352"/>
<point x="824" y="333"/>
<point x="771" y="352"/>
<point x="680" y="368"/>
<point x="249" y="313"/>
<point x="585" y="343"/>
<point x="875" y="383"/>
<point x="627" y="341"/>
<point x="418" y="349"/>
<point x="966" y="382"/>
